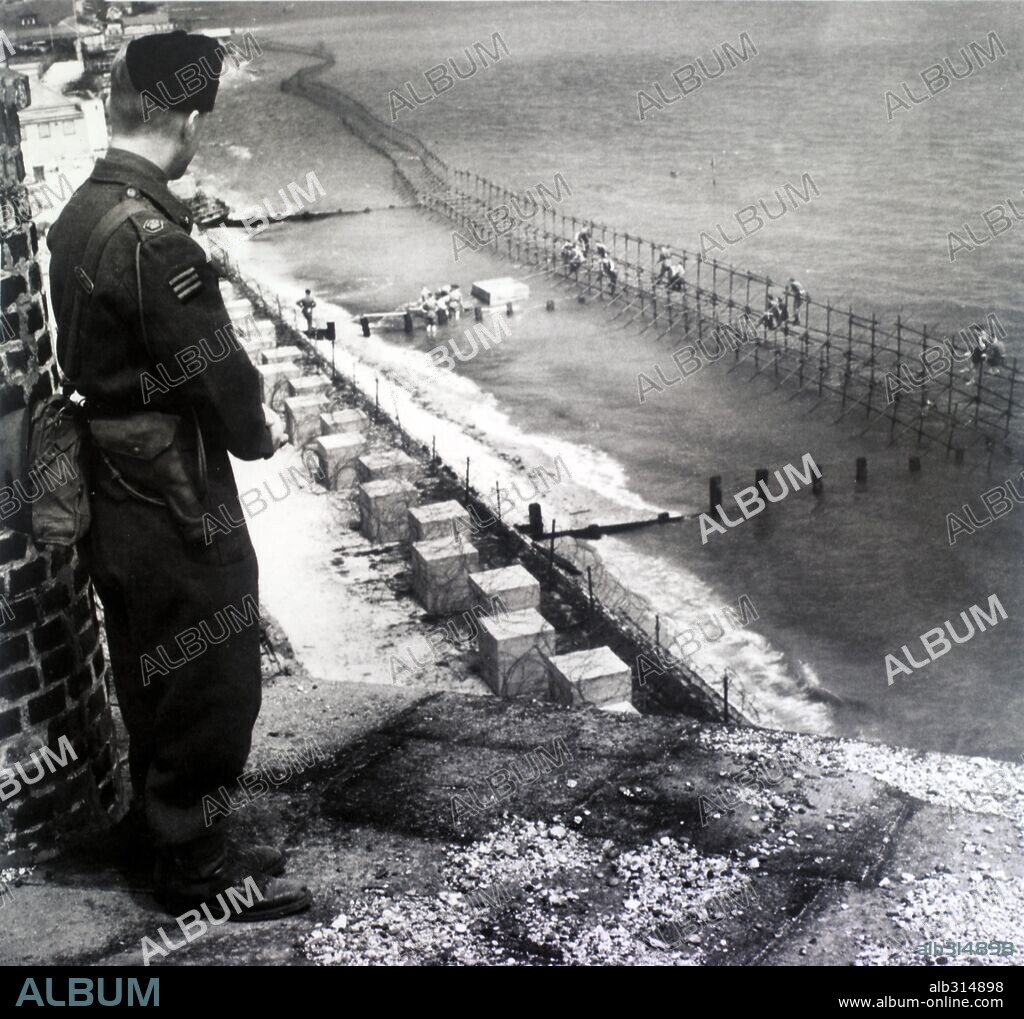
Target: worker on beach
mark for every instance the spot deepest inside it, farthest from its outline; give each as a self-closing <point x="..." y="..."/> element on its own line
<point x="583" y="240"/>
<point x="429" y="308"/>
<point x="307" y="304"/>
<point x="454" y="302"/>
<point x="442" y="305"/>
<point x="799" y="296"/>
<point x="575" y="261"/>
<point x="676" y="272"/>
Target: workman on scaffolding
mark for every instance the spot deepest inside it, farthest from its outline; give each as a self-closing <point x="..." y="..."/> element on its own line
<point x="608" y="269"/>
<point x="665" y="263"/>
<point x="799" y="296"/>
<point x="987" y="348"/>
<point x="774" y="315"/>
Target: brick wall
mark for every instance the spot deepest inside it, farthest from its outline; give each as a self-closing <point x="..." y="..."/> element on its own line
<point x="53" y="680"/>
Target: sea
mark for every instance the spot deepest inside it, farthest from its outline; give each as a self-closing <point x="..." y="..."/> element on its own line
<point x="836" y="91"/>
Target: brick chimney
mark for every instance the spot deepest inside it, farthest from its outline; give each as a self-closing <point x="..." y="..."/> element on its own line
<point x="53" y="678"/>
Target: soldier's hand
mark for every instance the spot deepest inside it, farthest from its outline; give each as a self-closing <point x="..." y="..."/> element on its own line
<point x="277" y="432"/>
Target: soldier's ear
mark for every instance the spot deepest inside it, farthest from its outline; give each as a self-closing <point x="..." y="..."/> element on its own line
<point x="190" y="129"/>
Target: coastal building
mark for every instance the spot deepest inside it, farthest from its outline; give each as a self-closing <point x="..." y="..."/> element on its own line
<point x="61" y="136"/>
<point x="40" y="26"/>
<point x="121" y="24"/>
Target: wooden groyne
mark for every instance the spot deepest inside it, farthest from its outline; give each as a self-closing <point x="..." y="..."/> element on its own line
<point x="890" y="376"/>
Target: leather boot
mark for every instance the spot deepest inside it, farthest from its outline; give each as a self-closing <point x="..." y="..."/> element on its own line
<point x="267" y="860"/>
<point x="133" y="846"/>
<point x="193" y="873"/>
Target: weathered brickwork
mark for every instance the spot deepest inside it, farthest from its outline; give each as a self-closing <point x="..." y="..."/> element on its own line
<point x="53" y="678"/>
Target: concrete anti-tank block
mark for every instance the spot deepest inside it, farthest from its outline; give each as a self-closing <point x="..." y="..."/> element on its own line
<point x="514" y="647"/>
<point x="348" y="420"/>
<point x="392" y="463"/>
<point x="253" y="350"/>
<point x="256" y="337"/>
<point x="438" y="520"/>
<point x="252" y="326"/>
<point x="238" y="307"/>
<point x="309" y="385"/>
<point x="286" y="353"/>
<point x="595" y="676"/>
<point x="384" y="507"/>
<point x="302" y="419"/>
<point x="500" y="290"/>
<point x="337" y="455"/>
<point x="274" y="382"/>
<point x="511" y="586"/>
<point x="440" y="573"/>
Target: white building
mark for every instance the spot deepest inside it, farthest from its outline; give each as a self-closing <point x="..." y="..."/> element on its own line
<point x="61" y="138"/>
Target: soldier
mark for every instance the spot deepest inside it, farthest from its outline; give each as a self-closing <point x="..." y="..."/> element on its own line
<point x="144" y="336"/>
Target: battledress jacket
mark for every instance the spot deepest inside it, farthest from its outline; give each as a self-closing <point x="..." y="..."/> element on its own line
<point x="158" y="336"/>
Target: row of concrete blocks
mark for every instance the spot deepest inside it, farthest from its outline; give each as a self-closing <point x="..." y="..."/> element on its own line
<point x="515" y="642"/>
<point x="336" y="436"/>
<point x="517" y="647"/>
<point x="258" y="338"/>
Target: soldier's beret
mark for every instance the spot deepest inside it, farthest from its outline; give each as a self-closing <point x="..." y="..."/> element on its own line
<point x="180" y="71"/>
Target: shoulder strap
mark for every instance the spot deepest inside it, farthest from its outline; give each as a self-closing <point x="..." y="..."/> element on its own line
<point x="80" y="291"/>
<point x="85" y="276"/>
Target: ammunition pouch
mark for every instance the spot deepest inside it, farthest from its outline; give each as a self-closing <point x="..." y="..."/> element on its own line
<point x="146" y="455"/>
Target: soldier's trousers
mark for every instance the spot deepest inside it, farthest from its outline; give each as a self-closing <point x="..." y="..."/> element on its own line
<point x="185" y="653"/>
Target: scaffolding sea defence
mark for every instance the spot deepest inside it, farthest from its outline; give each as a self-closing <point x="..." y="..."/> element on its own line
<point x="918" y="386"/>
